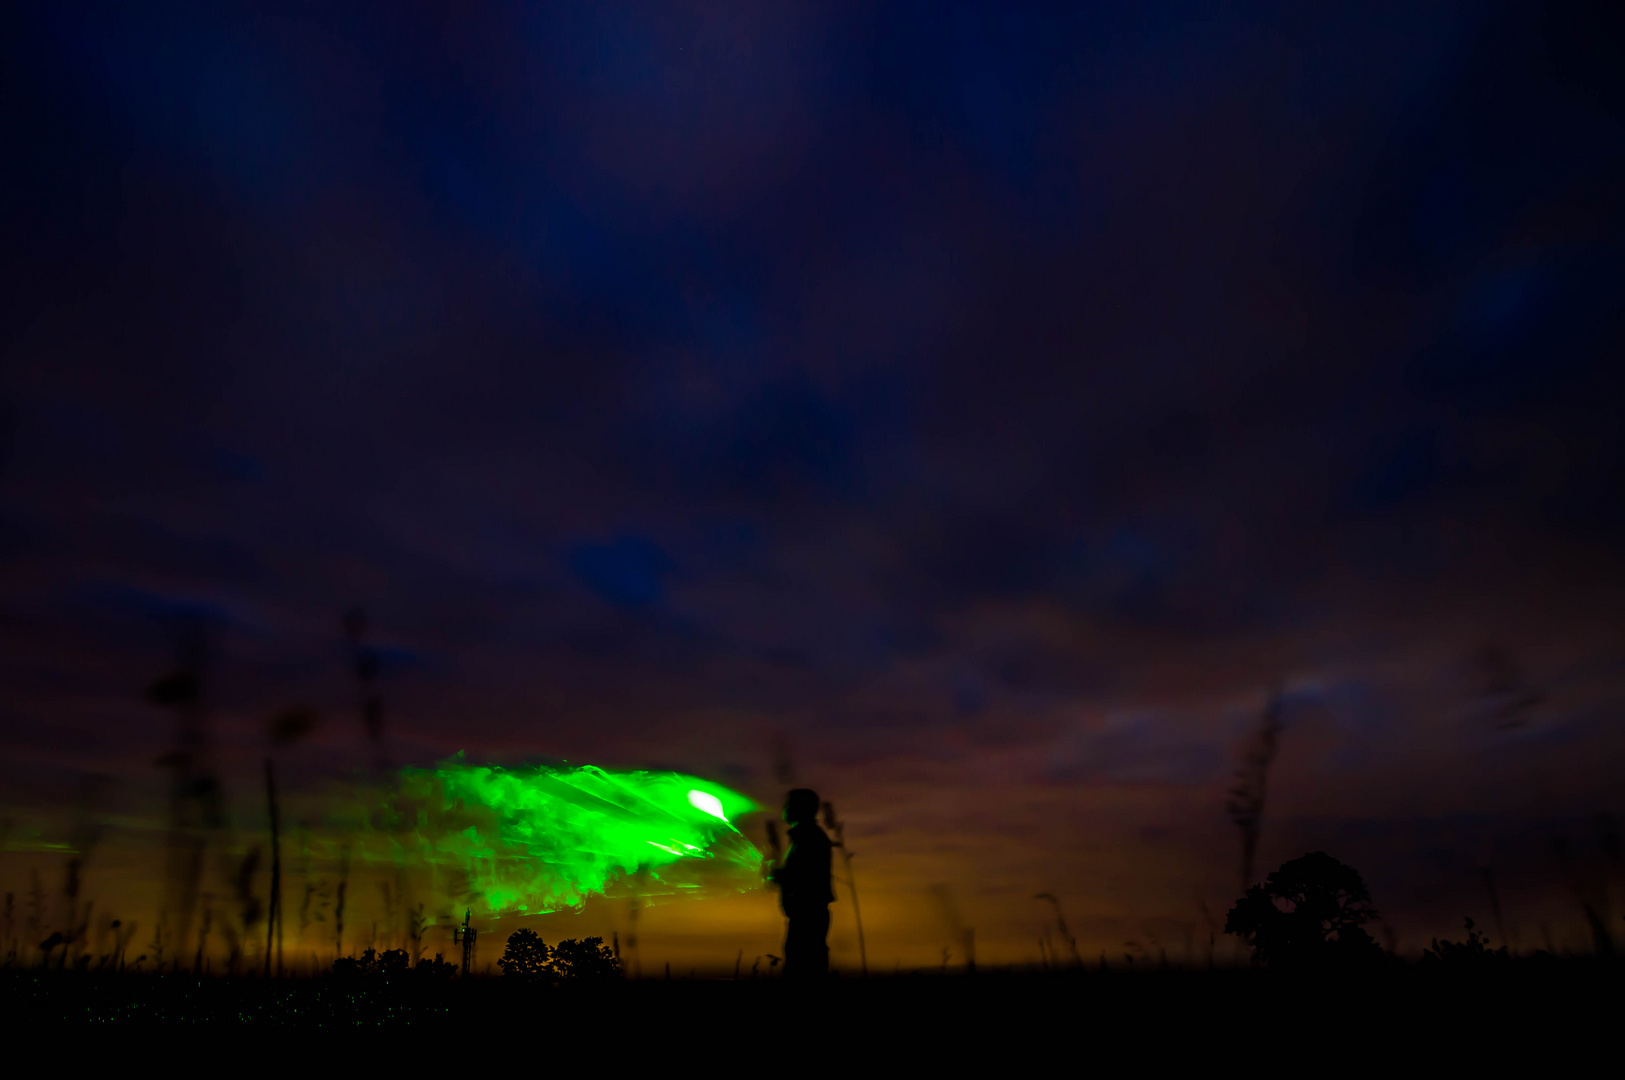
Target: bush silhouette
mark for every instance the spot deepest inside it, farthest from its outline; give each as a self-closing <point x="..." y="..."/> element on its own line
<point x="1309" y="913"/>
<point x="392" y="962"/>
<point x="438" y="968"/>
<point x="1475" y="950"/>
<point x="527" y="958"/>
<point x="351" y="966"/>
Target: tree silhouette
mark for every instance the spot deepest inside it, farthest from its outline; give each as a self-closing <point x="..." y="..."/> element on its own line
<point x="1309" y="913"/>
<point x="526" y="958"/>
<point x="1476" y="949"/>
<point x="586" y="960"/>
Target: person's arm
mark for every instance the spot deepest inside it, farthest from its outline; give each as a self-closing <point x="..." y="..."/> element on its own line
<point x="788" y="873"/>
<point x="775" y="861"/>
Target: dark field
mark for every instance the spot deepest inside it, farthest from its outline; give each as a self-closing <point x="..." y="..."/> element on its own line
<point x="1540" y="1005"/>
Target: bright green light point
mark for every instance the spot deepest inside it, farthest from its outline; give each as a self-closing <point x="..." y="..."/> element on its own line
<point x="712" y="805"/>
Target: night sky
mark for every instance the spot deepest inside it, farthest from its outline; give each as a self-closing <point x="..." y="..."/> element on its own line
<point x="974" y="413"/>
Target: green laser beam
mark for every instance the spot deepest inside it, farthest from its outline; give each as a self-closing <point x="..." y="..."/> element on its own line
<point x="537" y="838"/>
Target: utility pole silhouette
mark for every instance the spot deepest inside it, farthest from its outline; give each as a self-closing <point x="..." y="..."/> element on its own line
<point x="466" y="937"/>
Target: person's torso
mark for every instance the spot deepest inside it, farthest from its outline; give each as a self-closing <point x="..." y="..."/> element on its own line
<point x="806" y="881"/>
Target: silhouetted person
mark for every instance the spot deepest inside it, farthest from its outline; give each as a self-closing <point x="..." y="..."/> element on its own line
<point x="803" y="879"/>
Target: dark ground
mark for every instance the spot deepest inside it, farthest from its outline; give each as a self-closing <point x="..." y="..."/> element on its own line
<point x="1552" y="1008"/>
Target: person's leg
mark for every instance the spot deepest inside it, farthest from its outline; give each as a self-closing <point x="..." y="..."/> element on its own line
<point x="806" y="946"/>
<point x="792" y="947"/>
<point x="818" y="947"/>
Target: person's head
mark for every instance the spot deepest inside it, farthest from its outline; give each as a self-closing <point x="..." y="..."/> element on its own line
<point x="801" y="805"/>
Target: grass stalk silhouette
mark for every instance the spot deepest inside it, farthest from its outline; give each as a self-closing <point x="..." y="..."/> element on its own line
<point x="1060" y="924"/>
<point x="365" y="661"/>
<point x="837" y="829"/>
<point x="1246" y="802"/>
<point x="273" y="921"/>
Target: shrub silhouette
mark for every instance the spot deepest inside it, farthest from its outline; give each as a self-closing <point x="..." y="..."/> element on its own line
<point x="438" y="968"/>
<point x="526" y="958"/>
<point x="586" y="960"/>
<point x="1475" y="950"/>
<point x="350" y="966"/>
<point x="393" y="962"/>
<point x="1309" y="913"/>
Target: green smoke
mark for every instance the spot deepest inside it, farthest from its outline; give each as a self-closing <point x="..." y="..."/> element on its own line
<point x="538" y="838"/>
